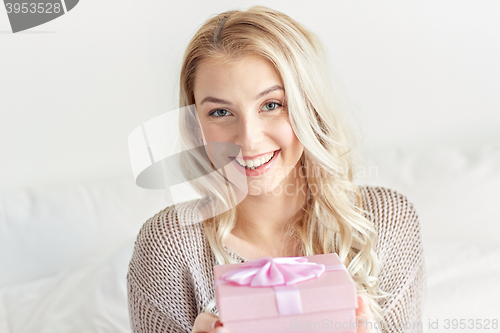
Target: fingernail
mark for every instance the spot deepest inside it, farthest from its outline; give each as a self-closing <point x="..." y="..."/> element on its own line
<point x="220" y="330"/>
<point x="216" y="323"/>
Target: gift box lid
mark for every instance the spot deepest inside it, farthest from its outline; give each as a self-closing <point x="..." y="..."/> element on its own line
<point x="331" y="291"/>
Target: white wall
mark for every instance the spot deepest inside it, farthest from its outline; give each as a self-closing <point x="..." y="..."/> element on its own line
<point x="71" y="90"/>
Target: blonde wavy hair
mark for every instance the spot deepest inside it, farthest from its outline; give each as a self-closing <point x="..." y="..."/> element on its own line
<point x="332" y="220"/>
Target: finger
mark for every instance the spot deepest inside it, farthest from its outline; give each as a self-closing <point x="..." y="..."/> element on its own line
<point x="363" y="314"/>
<point x="216" y="324"/>
<point x="363" y="309"/>
<point x="219" y="330"/>
<point x="217" y="327"/>
<point x="205" y="322"/>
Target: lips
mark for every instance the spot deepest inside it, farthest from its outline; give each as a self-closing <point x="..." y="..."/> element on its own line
<point x="255" y="156"/>
<point x="260" y="169"/>
<point x="254" y="161"/>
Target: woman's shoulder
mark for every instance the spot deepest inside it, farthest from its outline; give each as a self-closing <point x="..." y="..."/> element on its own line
<point x="392" y="213"/>
<point x="174" y="231"/>
<point x="386" y="205"/>
<point x="397" y="223"/>
<point x="382" y="194"/>
<point x="175" y="218"/>
<point x="169" y="242"/>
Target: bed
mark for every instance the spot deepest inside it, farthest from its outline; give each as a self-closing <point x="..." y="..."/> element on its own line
<point x="64" y="251"/>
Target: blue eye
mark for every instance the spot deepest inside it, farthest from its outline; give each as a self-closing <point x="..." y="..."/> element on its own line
<point x="219" y="115"/>
<point x="270" y="106"/>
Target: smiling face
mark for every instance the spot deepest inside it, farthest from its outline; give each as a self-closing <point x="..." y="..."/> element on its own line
<point x="242" y="102"/>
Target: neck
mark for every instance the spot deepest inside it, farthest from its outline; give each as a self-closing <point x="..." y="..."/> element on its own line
<point x="263" y="220"/>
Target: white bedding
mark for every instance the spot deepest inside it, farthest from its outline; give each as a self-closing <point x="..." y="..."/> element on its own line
<point x="456" y="194"/>
<point x="64" y="254"/>
<point x="64" y="251"/>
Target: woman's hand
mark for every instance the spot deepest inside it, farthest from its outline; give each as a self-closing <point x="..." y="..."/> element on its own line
<point x="364" y="315"/>
<point x="208" y="323"/>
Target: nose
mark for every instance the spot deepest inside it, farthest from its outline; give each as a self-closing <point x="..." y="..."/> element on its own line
<point x="249" y="133"/>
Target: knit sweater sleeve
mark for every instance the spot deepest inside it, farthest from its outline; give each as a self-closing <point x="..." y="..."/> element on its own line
<point x="401" y="261"/>
<point x="164" y="275"/>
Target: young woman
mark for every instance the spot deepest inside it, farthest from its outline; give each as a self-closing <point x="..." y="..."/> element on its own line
<point x="259" y="81"/>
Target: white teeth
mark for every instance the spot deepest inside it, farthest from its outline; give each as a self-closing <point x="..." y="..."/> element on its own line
<point x="252" y="164"/>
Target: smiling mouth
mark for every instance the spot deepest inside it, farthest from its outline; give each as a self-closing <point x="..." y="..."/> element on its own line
<point x="273" y="154"/>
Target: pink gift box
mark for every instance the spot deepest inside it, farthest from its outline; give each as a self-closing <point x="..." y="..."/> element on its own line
<point x="326" y="302"/>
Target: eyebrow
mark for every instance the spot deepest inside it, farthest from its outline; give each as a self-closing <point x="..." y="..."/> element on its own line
<point x="223" y="101"/>
<point x="215" y="100"/>
<point x="267" y="91"/>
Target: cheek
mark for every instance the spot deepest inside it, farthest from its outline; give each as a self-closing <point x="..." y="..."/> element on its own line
<point x="218" y="144"/>
<point x="214" y="134"/>
<point x="285" y="137"/>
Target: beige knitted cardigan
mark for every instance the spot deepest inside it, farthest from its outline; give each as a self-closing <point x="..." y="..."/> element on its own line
<point x="170" y="277"/>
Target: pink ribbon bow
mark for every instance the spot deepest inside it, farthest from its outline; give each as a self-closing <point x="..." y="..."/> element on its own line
<point x="281" y="274"/>
<point x="271" y="272"/>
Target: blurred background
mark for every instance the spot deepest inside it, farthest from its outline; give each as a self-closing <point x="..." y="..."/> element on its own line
<point x="420" y="82"/>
